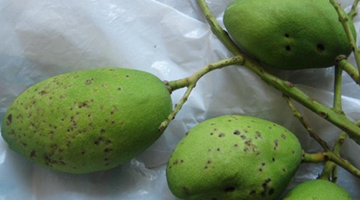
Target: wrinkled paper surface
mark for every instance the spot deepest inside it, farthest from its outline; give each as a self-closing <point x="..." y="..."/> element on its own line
<point x="171" y="39"/>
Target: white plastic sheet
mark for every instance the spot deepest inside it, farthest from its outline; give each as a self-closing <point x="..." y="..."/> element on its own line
<point x="169" y="38"/>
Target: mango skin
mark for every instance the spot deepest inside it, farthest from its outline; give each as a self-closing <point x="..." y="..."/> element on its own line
<point x="233" y="157"/>
<point x="86" y="121"/>
<point x="288" y="34"/>
<point x="317" y="189"/>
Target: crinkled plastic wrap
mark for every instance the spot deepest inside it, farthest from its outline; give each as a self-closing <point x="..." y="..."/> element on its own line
<point x="171" y="39"/>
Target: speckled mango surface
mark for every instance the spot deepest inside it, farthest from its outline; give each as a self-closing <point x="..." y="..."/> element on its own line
<point x="288" y="34"/>
<point x="88" y="120"/>
<point x="233" y="157"/>
<point x="317" y="190"/>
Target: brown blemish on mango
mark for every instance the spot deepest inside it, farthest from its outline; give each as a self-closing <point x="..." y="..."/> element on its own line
<point x="9" y="119"/>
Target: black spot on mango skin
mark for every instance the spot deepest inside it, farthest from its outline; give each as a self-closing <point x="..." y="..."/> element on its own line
<point x="186" y="190"/>
<point x="84" y="104"/>
<point x="107" y="150"/>
<point x="43" y="92"/>
<point x="176" y="162"/>
<point x="33" y="154"/>
<point x="271" y="191"/>
<point x="9" y="120"/>
<point x="276" y="143"/>
<point x="265" y="187"/>
<point x="229" y="189"/>
<point x="246" y="149"/>
<point x="221" y="135"/>
<point x="320" y="48"/>
<point x="252" y="192"/>
<point x="89" y="81"/>
<point x="258" y="134"/>
<point x="236" y="132"/>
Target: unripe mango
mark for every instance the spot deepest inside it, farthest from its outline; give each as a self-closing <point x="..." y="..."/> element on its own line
<point x="233" y="157"/>
<point x="88" y="120"/>
<point x="288" y="34"/>
<point x="317" y="189"/>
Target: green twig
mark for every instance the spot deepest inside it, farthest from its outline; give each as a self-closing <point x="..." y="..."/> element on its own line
<point x="225" y="39"/>
<point x="339" y="142"/>
<point x="311" y="132"/>
<point x="317" y="157"/>
<point x="330" y="169"/>
<point x="186" y="82"/>
<point x="337" y="107"/>
<point x="348" y="68"/>
<point x="344" y="21"/>
<point x="329" y="172"/>
<point x="339" y="120"/>
<point x="353" y="12"/>
<point x="190" y="83"/>
<point x="329" y="155"/>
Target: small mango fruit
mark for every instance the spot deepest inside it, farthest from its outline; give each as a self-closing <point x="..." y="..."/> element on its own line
<point x="317" y="189"/>
<point x="89" y="120"/>
<point x="234" y="157"/>
<point x="288" y="34"/>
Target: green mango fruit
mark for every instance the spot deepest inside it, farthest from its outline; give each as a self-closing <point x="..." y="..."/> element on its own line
<point x="317" y="189"/>
<point x="89" y="120"/>
<point x="288" y="34"/>
<point x="233" y="157"/>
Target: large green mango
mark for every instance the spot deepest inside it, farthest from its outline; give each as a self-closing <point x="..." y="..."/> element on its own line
<point x="288" y="34"/>
<point x="234" y="157"/>
<point x="88" y="120"/>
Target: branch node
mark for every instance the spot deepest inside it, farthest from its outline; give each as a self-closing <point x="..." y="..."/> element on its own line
<point x="340" y="58"/>
<point x="168" y="86"/>
<point x="289" y="84"/>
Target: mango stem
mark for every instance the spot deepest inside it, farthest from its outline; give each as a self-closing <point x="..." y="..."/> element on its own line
<point x="344" y="64"/>
<point x="190" y="83"/>
<point x="303" y="121"/>
<point x="344" y="21"/>
<point x="353" y="12"/>
<point x="330" y="170"/>
<point x="337" y="106"/>
<point x="319" y="157"/>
